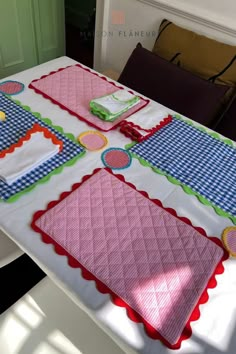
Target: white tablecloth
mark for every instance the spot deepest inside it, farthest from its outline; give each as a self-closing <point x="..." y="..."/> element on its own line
<point x="214" y="332"/>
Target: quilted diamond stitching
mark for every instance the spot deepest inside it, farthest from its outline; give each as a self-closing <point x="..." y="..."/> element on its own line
<point x="74" y="87"/>
<point x="146" y="258"/>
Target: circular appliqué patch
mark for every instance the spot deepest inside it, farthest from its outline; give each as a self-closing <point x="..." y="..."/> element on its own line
<point x="92" y="140"/>
<point x="2" y="116"/>
<point x="116" y="158"/>
<point x="229" y="240"/>
<point x="11" y="87"/>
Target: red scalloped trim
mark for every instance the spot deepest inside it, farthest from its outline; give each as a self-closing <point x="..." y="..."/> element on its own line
<point x="129" y="129"/>
<point x="167" y="119"/>
<point x="74" y="113"/>
<point x="35" y="129"/>
<point x="133" y="315"/>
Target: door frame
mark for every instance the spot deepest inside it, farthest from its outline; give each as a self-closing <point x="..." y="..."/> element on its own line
<point x="100" y="34"/>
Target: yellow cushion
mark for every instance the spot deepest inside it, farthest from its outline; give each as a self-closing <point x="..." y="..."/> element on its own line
<point x="205" y="57"/>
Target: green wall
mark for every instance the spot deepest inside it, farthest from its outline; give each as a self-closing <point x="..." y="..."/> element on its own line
<point x="31" y="32"/>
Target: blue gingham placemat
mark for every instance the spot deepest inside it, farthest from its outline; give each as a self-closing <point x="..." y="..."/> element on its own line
<point x="196" y="159"/>
<point x="18" y="121"/>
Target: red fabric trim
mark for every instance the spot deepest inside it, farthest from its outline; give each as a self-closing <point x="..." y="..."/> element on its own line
<point x="35" y="129"/>
<point x="167" y="119"/>
<point x="74" y="113"/>
<point x="129" y="129"/>
<point x="133" y="315"/>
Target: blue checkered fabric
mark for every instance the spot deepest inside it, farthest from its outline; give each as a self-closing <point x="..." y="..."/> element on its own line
<point x="205" y="164"/>
<point x="18" y="122"/>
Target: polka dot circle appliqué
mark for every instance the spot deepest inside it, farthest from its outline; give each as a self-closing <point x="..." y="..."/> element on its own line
<point x="116" y="158"/>
<point x="11" y="87"/>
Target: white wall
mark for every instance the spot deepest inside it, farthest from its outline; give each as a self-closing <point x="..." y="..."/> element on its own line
<point x="115" y="42"/>
<point x="222" y="8"/>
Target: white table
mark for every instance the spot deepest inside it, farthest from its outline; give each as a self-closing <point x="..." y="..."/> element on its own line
<point x="213" y="333"/>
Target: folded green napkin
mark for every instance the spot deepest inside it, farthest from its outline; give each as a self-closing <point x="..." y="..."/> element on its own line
<point x="112" y="106"/>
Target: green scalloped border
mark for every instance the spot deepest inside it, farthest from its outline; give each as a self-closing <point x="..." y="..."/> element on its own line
<point x="173" y="180"/>
<point x="57" y="170"/>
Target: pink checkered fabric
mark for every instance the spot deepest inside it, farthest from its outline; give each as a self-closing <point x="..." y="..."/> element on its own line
<point x="74" y="88"/>
<point x="231" y="240"/>
<point x="155" y="262"/>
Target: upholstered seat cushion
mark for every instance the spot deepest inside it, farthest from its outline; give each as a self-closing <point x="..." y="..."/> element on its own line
<point x="203" y="56"/>
<point x="227" y="125"/>
<point x="172" y="86"/>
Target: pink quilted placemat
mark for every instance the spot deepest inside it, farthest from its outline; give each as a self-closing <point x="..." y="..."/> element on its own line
<point x="73" y="88"/>
<point x="152" y="262"/>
